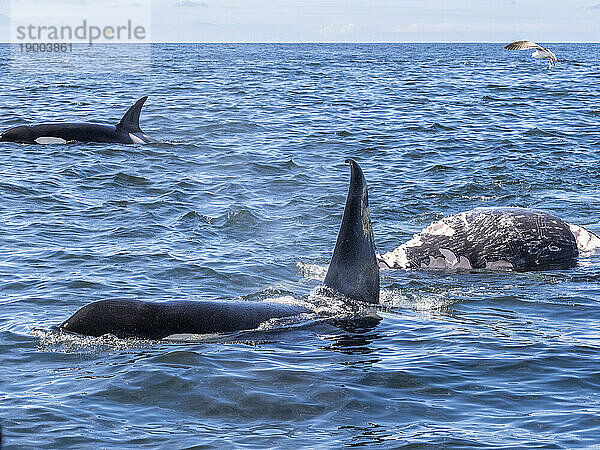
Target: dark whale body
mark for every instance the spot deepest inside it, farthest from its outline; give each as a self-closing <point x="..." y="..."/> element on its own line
<point x="490" y="238"/>
<point x="352" y="273"/>
<point x="353" y="270"/>
<point x="153" y="320"/>
<point x="127" y="131"/>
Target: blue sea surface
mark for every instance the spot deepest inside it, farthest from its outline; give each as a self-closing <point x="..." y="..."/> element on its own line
<point x="242" y="200"/>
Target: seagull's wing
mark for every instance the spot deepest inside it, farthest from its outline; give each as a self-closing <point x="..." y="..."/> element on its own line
<point x="523" y="45"/>
<point x="552" y="55"/>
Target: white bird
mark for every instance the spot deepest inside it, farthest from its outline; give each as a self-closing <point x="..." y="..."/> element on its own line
<point x="540" y="52"/>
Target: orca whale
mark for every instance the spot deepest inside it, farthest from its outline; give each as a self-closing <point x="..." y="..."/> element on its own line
<point x="127" y="131"/>
<point x="517" y="239"/>
<point x="353" y="273"/>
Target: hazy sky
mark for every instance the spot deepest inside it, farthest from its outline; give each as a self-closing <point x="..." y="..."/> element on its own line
<point x="359" y="20"/>
<point x="376" y="20"/>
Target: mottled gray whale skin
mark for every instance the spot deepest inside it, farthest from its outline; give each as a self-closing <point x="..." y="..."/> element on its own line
<point x="127" y="131"/>
<point x="353" y="273"/>
<point x="492" y="238"/>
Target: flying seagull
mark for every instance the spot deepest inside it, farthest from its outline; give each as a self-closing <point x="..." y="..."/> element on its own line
<point x="540" y="52"/>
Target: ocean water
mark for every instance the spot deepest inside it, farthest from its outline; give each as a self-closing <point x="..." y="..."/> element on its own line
<point x="242" y="199"/>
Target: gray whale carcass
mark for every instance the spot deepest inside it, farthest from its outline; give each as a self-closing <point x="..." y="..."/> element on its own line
<point x="495" y="239"/>
<point x="353" y="273"/>
<point x="127" y="131"/>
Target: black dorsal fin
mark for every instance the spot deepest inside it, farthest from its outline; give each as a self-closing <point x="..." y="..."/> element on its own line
<point x="353" y="271"/>
<point x="131" y="120"/>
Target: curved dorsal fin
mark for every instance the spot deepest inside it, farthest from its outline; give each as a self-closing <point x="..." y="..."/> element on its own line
<point x="353" y="271"/>
<point x="131" y="120"/>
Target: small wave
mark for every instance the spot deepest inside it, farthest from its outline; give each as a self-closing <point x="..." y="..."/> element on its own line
<point x="67" y="255"/>
<point x="85" y="284"/>
<point x="535" y="131"/>
<point x="14" y="121"/>
<point x="235" y="90"/>
<point x="238" y="217"/>
<point x="188" y="271"/>
<point x="117" y="203"/>
<point x="435" y="128"/>
<point x="193" y="216"/>
<point x="417" y="100"/>
<point x="17" y="188"/>
<point x="121" y="178"/>
<point x="489" y="98"/>
<point x="439" y="127"/>
<point x="343" y="133"/>
<point x="70" y="172"/>
<point x="233" y="127"/>
<point x="439" y="168"/>
<point x="275" y="167"/>
<point x="232" y="218"/>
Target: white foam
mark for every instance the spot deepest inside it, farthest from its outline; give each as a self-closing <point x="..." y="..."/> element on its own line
<point x="50" y="140"/>
<point x="67" y="342"/>
<point x="439" y="228"/>
<point x="414" y="242"/>
<point x="313" y="271"/>
<point x="190" y="337"/>
<point x="586" y="240"/>
<point x="422" y="301"/>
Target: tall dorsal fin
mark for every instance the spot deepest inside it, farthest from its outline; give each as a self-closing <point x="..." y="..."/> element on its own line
<point x="131" y="120"/>
<point x="353" y="271"/>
